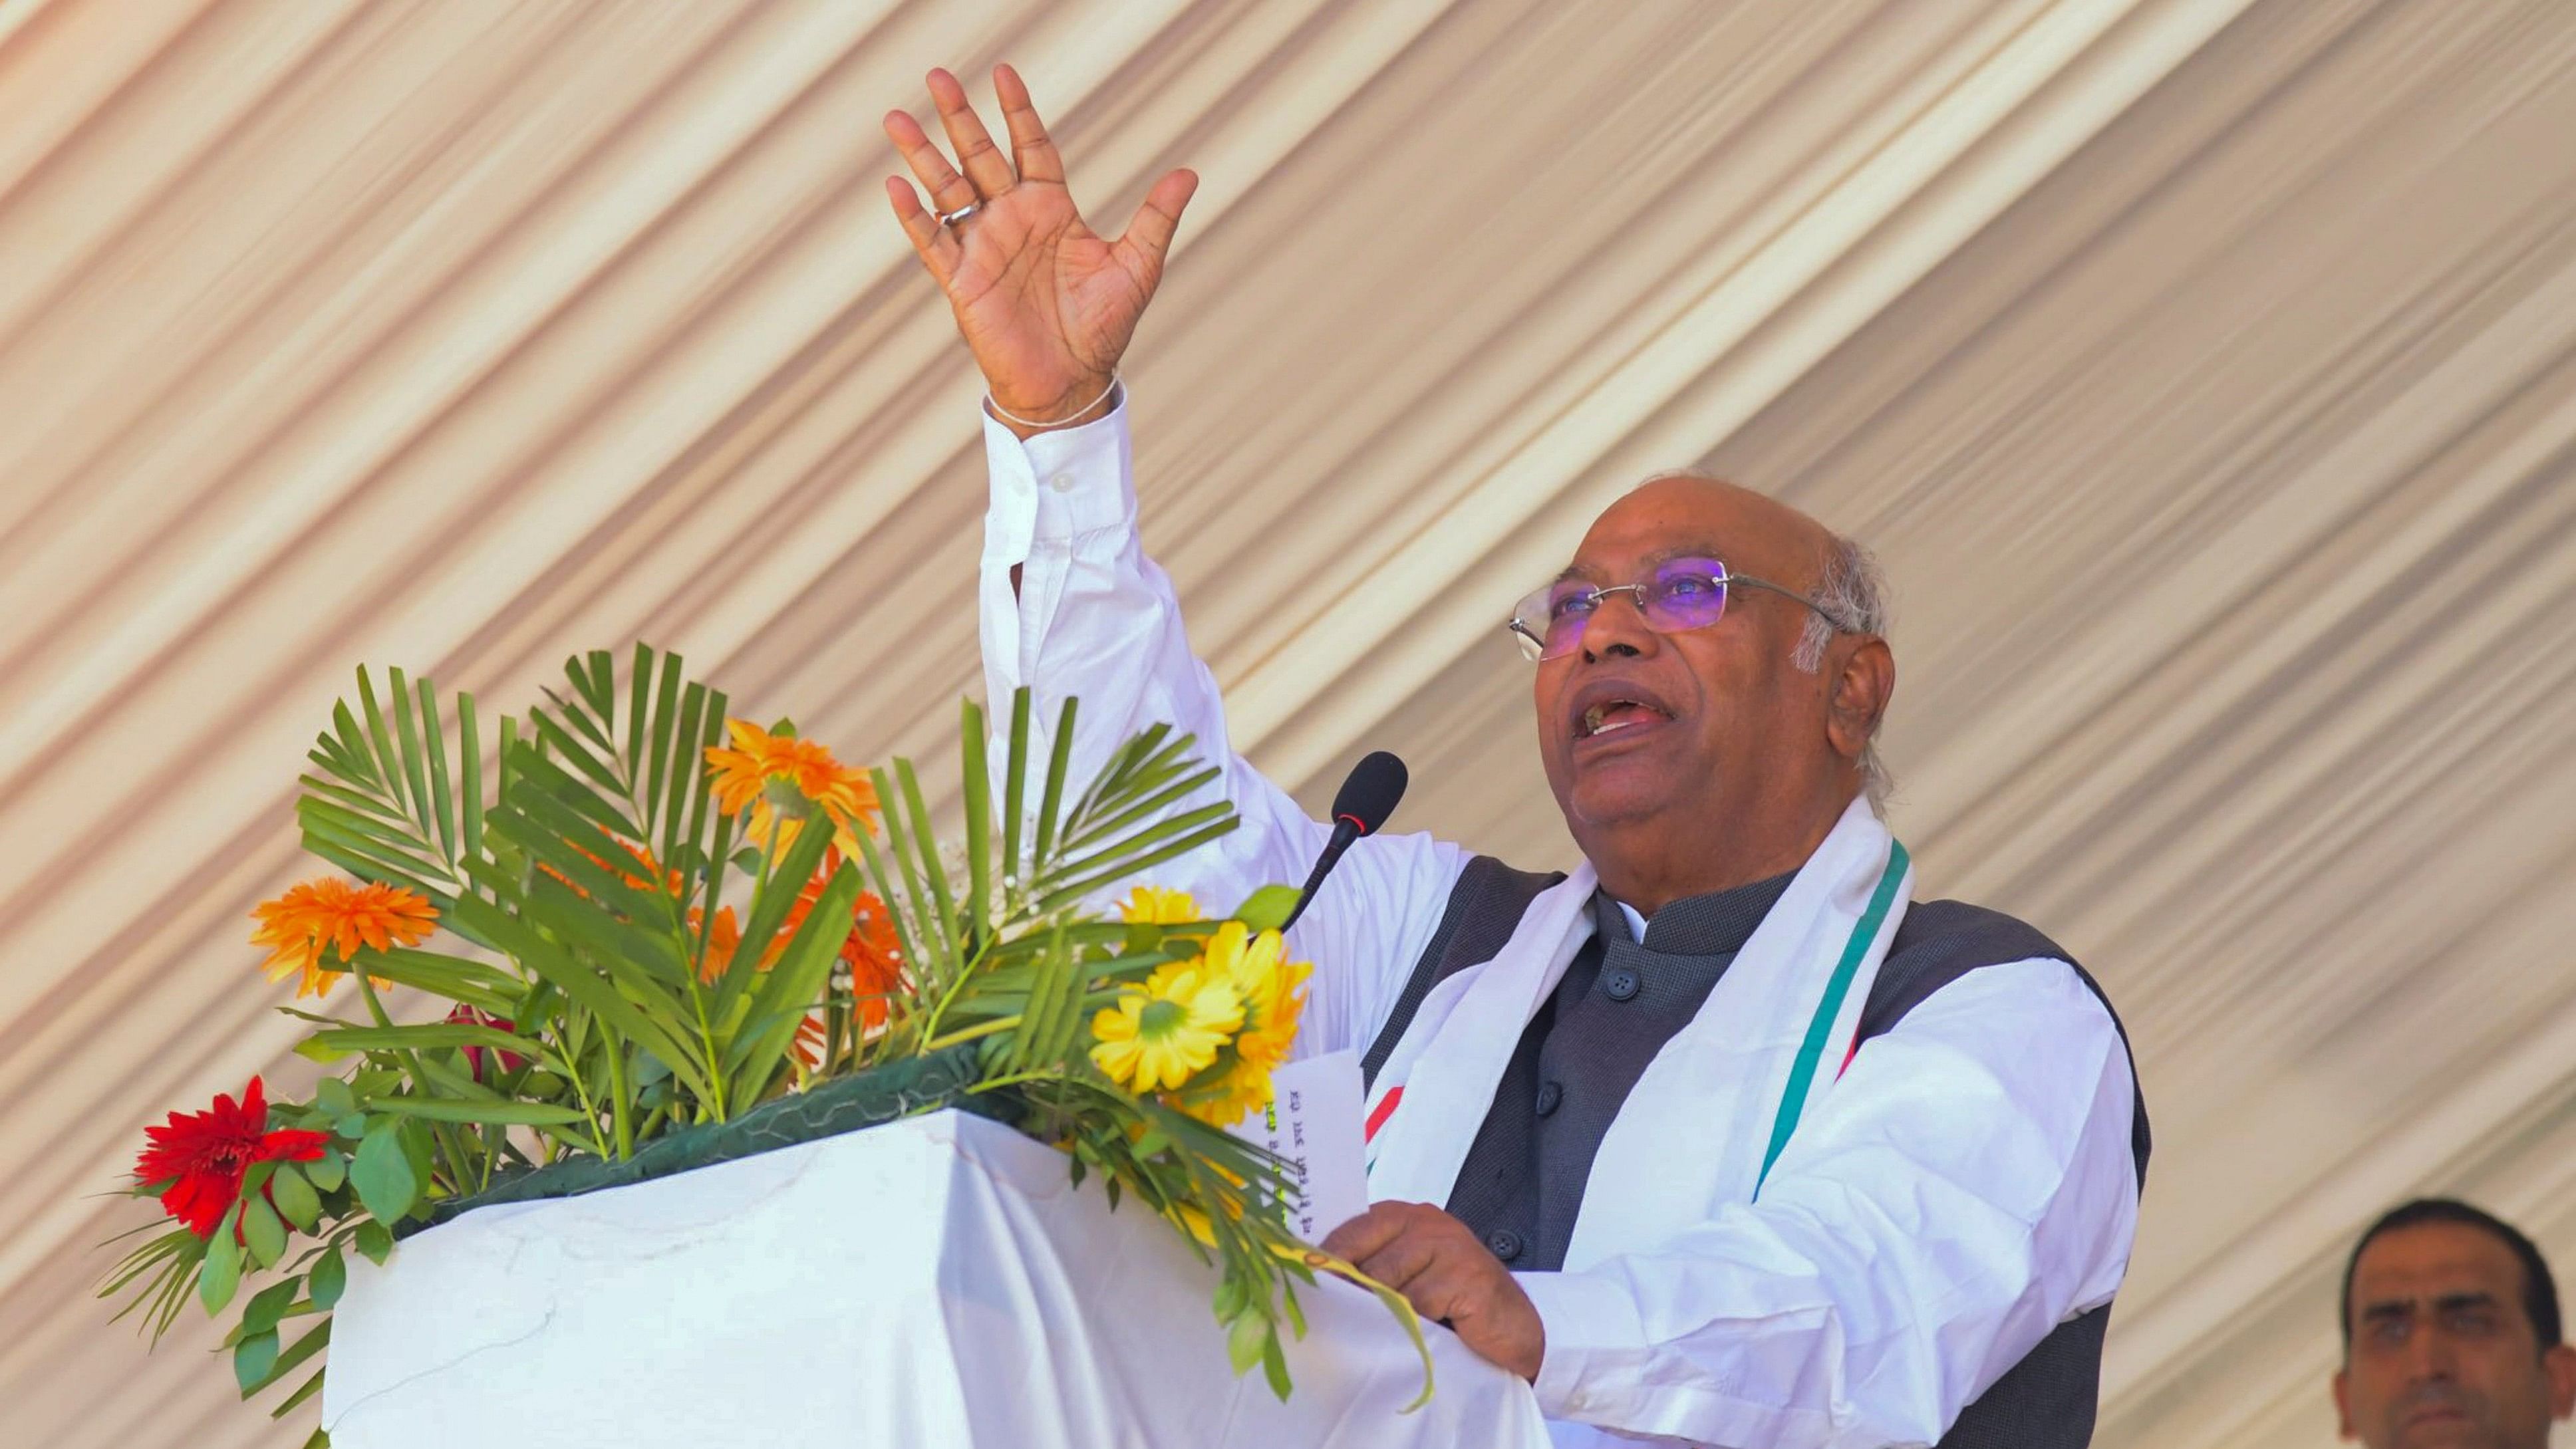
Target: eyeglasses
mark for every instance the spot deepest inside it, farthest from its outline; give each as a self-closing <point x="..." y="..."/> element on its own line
<point x="1684" y="594"/>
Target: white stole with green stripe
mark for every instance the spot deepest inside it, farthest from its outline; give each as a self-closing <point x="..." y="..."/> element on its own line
<point x="1702" y="1126"/>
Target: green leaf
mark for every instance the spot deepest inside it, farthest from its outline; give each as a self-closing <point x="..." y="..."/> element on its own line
<point x="312" y="1385"/>
<point x="253" y="1359"/>
<point x="979" y="821"/>
<point x="575" y="980"/>
<point x="442" y="802"/>
<point x="529" y="766"/>
<point x="330" y="1169"/>
<point x="1081" y="886"/>
<point x="407" y="739"/>
<point x="792" y="987"/>
<point x="375" y="1242"/>
<point x="294" y="1197"/>
<point x="388" y="763"/>
<point x="265" y="1234"/>
<point x="928" y="943"/>
<point x="334" y="1097"/>
<point x="1015" y="786"/>
<point x="382" y="1174"/>
<point x="469" y="760"/>
<point x="313" y="1341"/>
<point x="659" y="808"/>
<point x="793" y="869"/>
<point x="1267" y="908"/>
<point x="348" y="751"/>
<point x="583" y="759"/>
<point x="498" y="1111"/>
<point x="1274" y="1364"/>
<point x="1245" y="1338"/>
<point x="223" y="1265"/>
<point x="639" y="690"/>
<point x="453" y="977"/>
<point x="702" y="727"/>
<point x="432" y="1036"/>
<point x="266" y="1307"/>
<point x="926" y="843"/>
<point x="1052" y="798"/>
<point x="329" y="1274"/>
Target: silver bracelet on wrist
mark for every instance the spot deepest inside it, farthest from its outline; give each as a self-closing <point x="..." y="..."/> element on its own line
<point x="1008" y="416"/>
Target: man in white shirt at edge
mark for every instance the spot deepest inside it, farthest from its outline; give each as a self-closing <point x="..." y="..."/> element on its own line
<point x="1645" y="1086"/>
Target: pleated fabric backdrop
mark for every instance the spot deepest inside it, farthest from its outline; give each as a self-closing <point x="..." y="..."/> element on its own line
<point x="2201" y="368"/>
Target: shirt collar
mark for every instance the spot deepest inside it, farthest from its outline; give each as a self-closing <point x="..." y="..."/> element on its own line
<point x="1718" y="923"/>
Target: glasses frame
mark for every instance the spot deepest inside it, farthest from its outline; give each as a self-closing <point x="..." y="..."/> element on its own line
<point x="1534" y="646"/>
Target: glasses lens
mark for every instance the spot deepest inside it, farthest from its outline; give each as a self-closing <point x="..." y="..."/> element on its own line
<point x="1687" y="593"/>
<point x="1550" y="621"/>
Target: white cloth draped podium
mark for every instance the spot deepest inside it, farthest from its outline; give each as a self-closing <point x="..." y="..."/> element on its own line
<point x="935" y="1281"/>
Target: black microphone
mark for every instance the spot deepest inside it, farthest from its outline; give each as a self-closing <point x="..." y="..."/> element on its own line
<point x="1367" y="797"/>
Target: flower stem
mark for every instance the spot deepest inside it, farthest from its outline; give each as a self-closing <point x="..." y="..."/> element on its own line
<point x="981" y="1029"/>
<point x="617" y="1106"/>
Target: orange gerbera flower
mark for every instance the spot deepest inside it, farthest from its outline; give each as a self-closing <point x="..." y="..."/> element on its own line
<point x="809" y="1043"/>
<point x="722" y="938"/>
<point x="778" y="774"/>
<point x="340" y="915"/>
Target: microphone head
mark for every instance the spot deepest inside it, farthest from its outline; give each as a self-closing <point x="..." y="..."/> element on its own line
<point x="1370" y="794"/>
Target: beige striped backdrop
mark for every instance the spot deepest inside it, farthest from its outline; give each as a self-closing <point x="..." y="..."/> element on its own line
<point x="2201" y="367"/>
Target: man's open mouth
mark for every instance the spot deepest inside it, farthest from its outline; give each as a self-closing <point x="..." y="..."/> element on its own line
<point x="1614" y="715"/>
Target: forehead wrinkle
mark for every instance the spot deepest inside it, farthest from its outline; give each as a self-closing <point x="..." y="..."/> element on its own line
<point x="1657" y="559"/>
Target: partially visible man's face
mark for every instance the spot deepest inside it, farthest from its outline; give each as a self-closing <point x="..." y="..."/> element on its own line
<point x="1693" y="717"/>
<point x="2443" y="1350"/>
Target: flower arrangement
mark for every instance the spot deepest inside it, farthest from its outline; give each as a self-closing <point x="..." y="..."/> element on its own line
<point x="653" y="928"/>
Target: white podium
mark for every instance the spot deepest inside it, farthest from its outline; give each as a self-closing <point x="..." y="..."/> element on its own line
<point x="935" y="1281"/>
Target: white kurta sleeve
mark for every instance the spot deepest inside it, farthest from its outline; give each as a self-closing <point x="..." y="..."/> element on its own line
<point x="1967" y="1186"/>
<point x="1094" y="618"/>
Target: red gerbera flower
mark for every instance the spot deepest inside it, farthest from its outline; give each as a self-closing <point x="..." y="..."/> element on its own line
<point x="203" y="1155"/>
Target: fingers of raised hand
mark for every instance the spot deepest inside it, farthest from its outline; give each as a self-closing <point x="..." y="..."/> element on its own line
<point x="938" y="247"/>
<point x="977" y="156"/>
<point x="1031" y="148"/>
<point x="948" y="190"/>
<point x="1149" y="235"/>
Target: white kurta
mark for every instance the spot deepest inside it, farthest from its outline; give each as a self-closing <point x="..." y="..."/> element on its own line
<point x="1966" y="1187"/>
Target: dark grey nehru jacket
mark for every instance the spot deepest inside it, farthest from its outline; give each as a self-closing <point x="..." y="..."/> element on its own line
<point x="1619" y="1001"/>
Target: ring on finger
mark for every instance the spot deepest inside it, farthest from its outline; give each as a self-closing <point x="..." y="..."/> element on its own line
<point x="952" y="218"/>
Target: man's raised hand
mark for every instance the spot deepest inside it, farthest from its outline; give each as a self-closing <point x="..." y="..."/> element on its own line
<point x="1046" y="304"/>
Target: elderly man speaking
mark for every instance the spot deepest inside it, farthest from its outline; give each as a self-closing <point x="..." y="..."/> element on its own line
<point x="1722" y="1139"/>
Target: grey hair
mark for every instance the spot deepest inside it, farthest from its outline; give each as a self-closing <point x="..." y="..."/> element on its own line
<point x="1852" y="596"/>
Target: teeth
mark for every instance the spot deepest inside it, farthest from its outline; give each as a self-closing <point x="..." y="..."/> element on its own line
<point x="1592" y="718"/>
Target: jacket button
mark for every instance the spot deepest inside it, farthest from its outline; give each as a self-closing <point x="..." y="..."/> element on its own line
<point x="1619" y="983"/>
<point x="1504" y="1243"/>
<point x="1549" y="1094"/>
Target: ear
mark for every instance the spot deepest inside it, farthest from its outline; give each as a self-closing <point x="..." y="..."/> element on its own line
<point x="2343" y="1405"/>
<point x="1864" y="682"/>
<point x="2559" y="1367"/>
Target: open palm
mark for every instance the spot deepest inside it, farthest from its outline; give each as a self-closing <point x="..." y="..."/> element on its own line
<point x="1046" y="304"/>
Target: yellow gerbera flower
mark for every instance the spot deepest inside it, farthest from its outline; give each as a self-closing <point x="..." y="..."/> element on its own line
<point x="1152" y="905"/>
<point x="1241" y="1092"/>
<point x="331" y="912"/>
<point x="1162" y="1034"/>
<point x="773" y="775"/>
<point x="1268" y="983"/>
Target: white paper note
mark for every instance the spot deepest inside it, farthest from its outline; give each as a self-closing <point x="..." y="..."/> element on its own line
<point x="1314" y="1122"/>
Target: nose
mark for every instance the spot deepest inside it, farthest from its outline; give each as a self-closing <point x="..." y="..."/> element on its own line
<point x="1618" y="626"/>
<point x="2434" y="1358"/>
